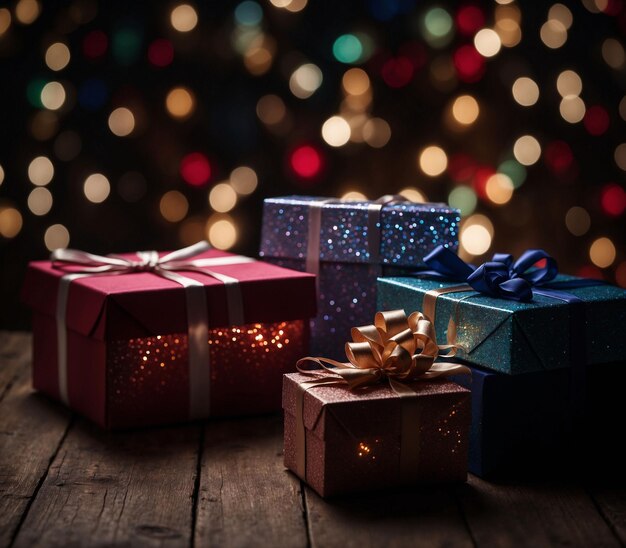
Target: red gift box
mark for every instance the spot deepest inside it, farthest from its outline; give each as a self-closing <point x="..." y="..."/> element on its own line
<point x="354" y="440"/>
<point x="126" y="337"/>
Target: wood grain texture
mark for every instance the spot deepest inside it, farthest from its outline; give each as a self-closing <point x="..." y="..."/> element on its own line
<point x="15" y="356"/>
<point x="124" y="489"/>
<point x="31" y="429"/>
<point x="533" y="515"/>
<point x="611" y="501"/>
<point x="422" y="516"/>
<point x="246" y="497"/>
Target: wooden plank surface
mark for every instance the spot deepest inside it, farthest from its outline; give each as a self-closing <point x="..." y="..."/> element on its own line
<point x="130" y="488"/>
<point x="247" y="498"/>
<point x="423" y="516"/>
<point x="31" y="429"/>
<point x="533" y="515"/>
<point x="611" y="502"/>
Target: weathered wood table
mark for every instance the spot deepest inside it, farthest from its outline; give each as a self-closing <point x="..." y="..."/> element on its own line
<point x="64" y="482"/>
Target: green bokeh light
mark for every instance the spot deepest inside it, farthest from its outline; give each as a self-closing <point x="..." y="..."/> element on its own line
<point x="437" y="27"/>
<point x="126" y="46"/>
<point x="347" y="48"/>
<point x="464" y="199"/>
<point x="248" y="13"/>
<point x="515" y="171"/>
<point x="33" y="92"/>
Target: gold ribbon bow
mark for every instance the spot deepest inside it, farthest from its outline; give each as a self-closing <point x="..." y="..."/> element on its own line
<point x="395" y="348"/>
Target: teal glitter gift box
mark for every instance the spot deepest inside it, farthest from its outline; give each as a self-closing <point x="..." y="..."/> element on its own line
<point x="518" y="337"/>
<point x="348" y="244"/>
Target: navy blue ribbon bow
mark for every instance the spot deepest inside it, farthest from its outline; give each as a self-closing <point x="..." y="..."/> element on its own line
<point x="501" y="277"/>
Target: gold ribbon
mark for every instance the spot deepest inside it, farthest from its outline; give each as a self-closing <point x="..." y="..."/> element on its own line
<point x="395" y="349"/>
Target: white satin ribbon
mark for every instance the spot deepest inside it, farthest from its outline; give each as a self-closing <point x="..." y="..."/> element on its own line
<point x="166" y="267"/>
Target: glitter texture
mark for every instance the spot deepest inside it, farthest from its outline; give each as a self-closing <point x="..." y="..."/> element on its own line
<point x="347" y="278"/>
<point x="513" y="337"/>
<point x="353" y="438"/>
<point x="148" y="378"/>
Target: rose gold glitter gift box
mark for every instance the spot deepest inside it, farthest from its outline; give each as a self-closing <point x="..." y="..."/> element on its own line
<point x="353" y="441"/>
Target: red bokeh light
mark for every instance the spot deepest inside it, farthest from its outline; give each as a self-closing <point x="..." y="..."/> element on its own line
<point x="481" y="175"/>
<point x="161" y="52"/>
<point x="461" y="167"/>
<point x="596" y="120"/>
<point x="397" y="72"/>
<point x="613" y="199"/>
<point x="613" y="7"/>
<point x="559" y="156"/>
<point x="415" y="53"/>
<point x="195" y="169"/>
<point x="590" y="271"/>
<point x="95" y="44"/>
<point x="469" y="64"/>
<point x="469" y="20"/>
<point x="306" y="161"/>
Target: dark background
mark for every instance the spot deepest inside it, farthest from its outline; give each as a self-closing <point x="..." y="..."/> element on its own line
<point x="414" y="78"/>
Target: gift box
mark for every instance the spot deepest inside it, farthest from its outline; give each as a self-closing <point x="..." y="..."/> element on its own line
<point x="520" y="337"/>
<point x="145" y="339"/>
<point x="353" y="441"/>
<point x="386" y="417"/>
<point x="349" y="244"/>
<point x="526" y="425"/>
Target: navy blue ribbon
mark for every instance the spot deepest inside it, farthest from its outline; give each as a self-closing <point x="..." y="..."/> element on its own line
<point x="520" y="281"/>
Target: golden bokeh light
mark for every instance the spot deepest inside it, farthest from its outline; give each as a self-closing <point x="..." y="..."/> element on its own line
<point x="259" y="55"/>
<point x="221" y="232"/>
<point x="569" y="83"/>
<point x="173" y="206"/>
<point x="305" y="80"/>
<point x="355" y="81"/>
<point x="10" y="221"/>
<point x="293" y="6"/>
<point x="562" y="14"/>
<point x="354" y="196"/>
<point x="39" y="201"/>
<point x="40" y="171"/>
<point x="222" y="197"/>
<point x="336" y="131"/>
<point x="56" y="237"/>
<point x="572" y="109"/>
<point x="192" y="230"/>
<point x="487" y="42"/>
<point x="577" y="220"/>
<point x="57" y="56"/>
<point x="53" y="95"/>
<point x="613" y="53"/>
<point x="525" y="91"/>
<point x="244" y="180"/>
<point x="96" y="188"/>
<point x="184" y="18"/>
<point x="412" y="194"/>
<point x="465" y="110"/>
<point x="499" y="188"/>
<point x="1" y="174"/>
<point x="376" y="132"/>
<point x="5" y="20"/>
<point x="509" y="31"/>
<point x="121" y="122"/>
<point x="527" y="150"/>
<point x="433" y="161"/>
<point x="620" y="156"/>
<point x="476" y="234"/>
<point x="26" y="11"/>
<point x="44" y="125"/>
<point x="271" y="110"/>
<point x="553" y="33"/>
<point x="602" y="252"/>
<point x="180" y="103"/>
<point x="622" y="108"/>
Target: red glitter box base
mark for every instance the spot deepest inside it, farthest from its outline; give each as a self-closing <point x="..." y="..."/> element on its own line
<point x="353" y="439"/>
<point x="127" y="362"/>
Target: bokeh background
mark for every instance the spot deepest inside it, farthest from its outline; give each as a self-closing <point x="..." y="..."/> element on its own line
<point x="151" y="125"/>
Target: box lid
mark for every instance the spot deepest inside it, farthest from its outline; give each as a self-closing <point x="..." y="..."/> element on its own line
<point x="143" y="304"/>
<point x="408" y="231"/>
<point x="363" y="412"/>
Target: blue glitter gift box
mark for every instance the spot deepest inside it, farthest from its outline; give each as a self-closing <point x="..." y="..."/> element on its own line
<point x="355" y="242"/>
<point x="518" y="337"/>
